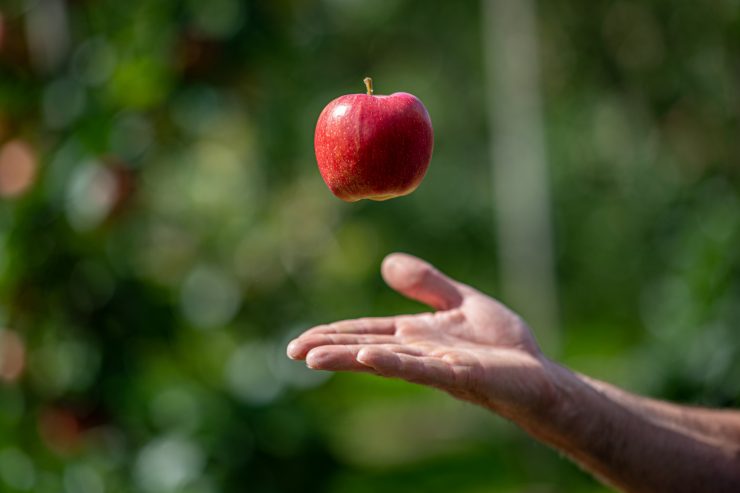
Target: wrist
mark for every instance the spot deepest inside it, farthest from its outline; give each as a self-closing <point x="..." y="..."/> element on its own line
<point x="566" y="390"/>
<point x="543" y="395"/>
<point x="560" y="404"/>
<point x="577" y="414"/>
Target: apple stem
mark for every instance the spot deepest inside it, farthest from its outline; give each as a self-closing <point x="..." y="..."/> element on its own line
<point x="369" y="85"/>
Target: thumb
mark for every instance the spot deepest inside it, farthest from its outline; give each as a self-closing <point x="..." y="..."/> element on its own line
<point x="418" y="280"/>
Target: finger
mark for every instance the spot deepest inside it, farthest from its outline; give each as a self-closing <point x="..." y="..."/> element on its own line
<point x="418" y="280"/>
<point x="421" y="369"/>
<point x="369" y="325"/>
<point x="344" y="358"/>
<point x="298" y="348"/>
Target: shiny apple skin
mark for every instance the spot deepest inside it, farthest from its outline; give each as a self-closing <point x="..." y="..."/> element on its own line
<point x="373" y="147"/>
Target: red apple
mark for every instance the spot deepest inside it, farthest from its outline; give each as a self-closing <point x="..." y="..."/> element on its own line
<point x="373" y="147"/>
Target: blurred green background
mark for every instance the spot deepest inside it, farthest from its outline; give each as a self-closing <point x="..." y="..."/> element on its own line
<point x="164" y="232"/>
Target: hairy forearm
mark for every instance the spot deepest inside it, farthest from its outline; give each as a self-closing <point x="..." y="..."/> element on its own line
<point x="637" y="444"/>
<point x="718" y="425"/>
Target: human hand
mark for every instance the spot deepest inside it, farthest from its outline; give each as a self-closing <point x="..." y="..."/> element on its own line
<point x="472" y="347"/>
<point x="478" y="350"/>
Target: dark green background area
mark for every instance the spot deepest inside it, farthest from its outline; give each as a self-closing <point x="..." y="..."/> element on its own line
<point x="154" y="324"/>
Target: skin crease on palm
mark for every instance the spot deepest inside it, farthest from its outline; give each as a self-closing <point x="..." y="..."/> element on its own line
<point x="472" y="346"/>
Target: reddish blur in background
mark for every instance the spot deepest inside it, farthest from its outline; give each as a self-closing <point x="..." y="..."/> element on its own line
<point x="164" y="230"/>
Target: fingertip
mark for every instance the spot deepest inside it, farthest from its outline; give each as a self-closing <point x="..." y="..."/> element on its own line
<point x="315" y="358"/>
<point x="401" y="270"/>
<point x="389" y="263"/>
<point x="373" y="357"/>
<point x="395" y="257"/>
<point x="329" y="358"/>
<point x="293" y="349"/>
<point x="364" y="356"/>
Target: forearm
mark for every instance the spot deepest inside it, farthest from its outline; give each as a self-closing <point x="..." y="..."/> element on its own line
<point x="715" y="424"/>
<point x="636" y="444"/>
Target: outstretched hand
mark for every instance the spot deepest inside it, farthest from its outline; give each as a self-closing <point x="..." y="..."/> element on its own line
<point x="477" y="349"/>
<point x="472" y="346"/>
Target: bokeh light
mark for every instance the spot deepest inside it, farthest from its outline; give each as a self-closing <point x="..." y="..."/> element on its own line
<point x="249" y="375"/>
<point x="2" y="29"/>
<point x="60" y="431"/>
<point x="17" y="470"/>
<point x="12" y="356"/>
<point x="82" y="478"/>
<point x="91" y="195"/>
<point x="168" y="464"/>
<point x="209" y="298"/>
<point x="18" y="168"/>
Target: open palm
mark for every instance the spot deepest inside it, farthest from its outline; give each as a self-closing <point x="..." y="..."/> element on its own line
<point x="472" y="347"/>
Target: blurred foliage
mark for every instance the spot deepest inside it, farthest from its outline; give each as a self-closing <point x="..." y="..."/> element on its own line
<point x="164" y="232"/>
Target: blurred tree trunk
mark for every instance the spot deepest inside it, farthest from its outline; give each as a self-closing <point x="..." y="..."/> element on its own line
<point x="519" y="165"/>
